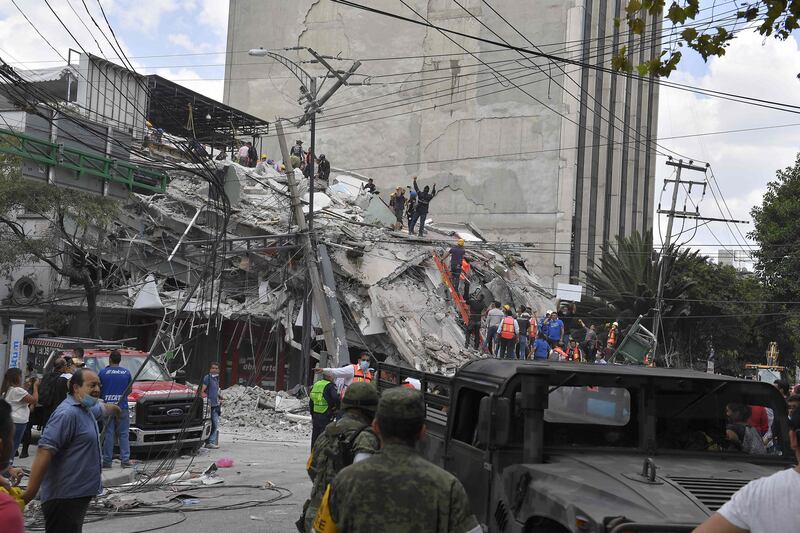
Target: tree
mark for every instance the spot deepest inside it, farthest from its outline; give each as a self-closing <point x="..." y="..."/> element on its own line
<point x="74" y="234"/>
<point x="778" y="18"/>
<point x="704" y="304"/>
<point x="776" y="229"/>
<point x="625" y="282"/>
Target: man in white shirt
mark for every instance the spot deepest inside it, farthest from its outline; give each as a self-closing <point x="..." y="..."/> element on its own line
<point x="765" y="505"/>
<point x="493" y="319"/>
<point x="344" y="376"/>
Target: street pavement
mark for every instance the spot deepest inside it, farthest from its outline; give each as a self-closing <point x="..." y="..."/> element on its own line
<point x="232" y="506"/>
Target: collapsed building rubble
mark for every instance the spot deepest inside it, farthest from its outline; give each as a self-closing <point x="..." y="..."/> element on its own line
<point x="263" y="414"/>
<point x="392" y="295"/>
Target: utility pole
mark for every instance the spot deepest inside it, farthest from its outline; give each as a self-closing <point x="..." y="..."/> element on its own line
<point x="314" y="102"/>
<point x="311" y="263"/>
<point x="671" y="215"/>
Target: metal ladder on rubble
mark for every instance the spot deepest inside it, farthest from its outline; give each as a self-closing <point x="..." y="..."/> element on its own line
<point x="458" y="300"/>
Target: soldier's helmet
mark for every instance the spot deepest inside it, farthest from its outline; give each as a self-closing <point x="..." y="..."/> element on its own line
<point x="402" y="403"/>
<point x="361" y="395"/>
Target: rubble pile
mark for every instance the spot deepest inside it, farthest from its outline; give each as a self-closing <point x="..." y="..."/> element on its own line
<point x="393" y="299"/>
<point x="262" y="414"/>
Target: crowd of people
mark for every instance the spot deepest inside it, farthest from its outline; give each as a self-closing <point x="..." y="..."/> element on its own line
<point x="413" y="209"/>
<point x="72" y="449"/>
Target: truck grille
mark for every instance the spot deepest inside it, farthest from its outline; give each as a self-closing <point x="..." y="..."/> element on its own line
<point x="712" y="493"/>
<point x="169" y="413"/>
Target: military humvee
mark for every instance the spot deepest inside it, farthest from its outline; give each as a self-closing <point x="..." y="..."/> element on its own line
<point x="567" y="447"/>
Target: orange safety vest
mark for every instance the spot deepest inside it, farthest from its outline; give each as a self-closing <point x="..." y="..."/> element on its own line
<point x="533" y="329"/>
<point x="360" y="375"/>
<point x="507" y="328"/>
<point x="574" y="354"/>
<point x="562" y="356"/>
<point x="612" y="337"/>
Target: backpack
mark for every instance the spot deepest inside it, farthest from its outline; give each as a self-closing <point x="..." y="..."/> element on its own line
<point x="47" y="390"/>
<point x="340" y="453"/>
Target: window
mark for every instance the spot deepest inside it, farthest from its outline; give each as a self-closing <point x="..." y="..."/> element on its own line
<point x="466" y="421"/>
<point x="609" y="406"/>
<point x="591" y="417"/>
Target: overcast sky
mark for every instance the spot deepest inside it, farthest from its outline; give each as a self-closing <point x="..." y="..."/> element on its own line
<point x="189" y="36"/>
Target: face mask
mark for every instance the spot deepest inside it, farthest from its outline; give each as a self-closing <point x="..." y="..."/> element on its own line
<point x="214" y="374"/>
<point x="88" y="401"/>
<point x="364" y="365"/>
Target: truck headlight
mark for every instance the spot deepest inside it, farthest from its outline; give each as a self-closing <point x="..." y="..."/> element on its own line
<point x="131" y="411"/>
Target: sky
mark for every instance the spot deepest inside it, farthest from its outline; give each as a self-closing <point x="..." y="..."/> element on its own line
<point x="184" y="40"/>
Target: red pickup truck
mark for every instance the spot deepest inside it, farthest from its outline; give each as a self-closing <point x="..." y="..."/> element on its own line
<point x="162" y="411"/>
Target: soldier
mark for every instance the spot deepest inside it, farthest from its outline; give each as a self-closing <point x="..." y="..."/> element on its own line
<point x="347" y="441"/>
<point x="401" y="490"/>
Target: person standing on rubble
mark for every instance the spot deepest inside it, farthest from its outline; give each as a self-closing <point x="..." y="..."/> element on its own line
<point x="323" y="401"/>
<point x="477" y="308"/>
<point x="524" y="321"/>
<point x="323" y="168"/>
<point x="344" y="442"/>
<point x="397" y="201"/>
<point x="424" y="198"/>
<point x="396" y="490"/>
<point x="508" y="332"/>
<point x="411" y="206"/>
<point x="493" y="319"/>
<point x="297" y="149"/>
<point x="211" y="390"/>
<point x="456" y="254"/>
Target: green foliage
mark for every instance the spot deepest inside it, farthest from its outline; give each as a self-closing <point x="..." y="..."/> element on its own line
<point x="778" y="18"/>
<point x="704" y="304"/>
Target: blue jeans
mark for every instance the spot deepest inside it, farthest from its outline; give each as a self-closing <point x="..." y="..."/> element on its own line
<point x="213" y="438"/>
<point x="19" y="431"/>
<point x="522" y="347"/>
<point x="117" y="427"/>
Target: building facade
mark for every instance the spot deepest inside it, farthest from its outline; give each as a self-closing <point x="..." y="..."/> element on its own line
<point x="526" y="148"/>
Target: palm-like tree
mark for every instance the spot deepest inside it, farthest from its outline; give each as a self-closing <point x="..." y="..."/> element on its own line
<point x="624" y="283"/>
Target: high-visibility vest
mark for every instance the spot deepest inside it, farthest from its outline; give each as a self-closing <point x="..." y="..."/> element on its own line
<point x="507" y="328"/>
<point x="562" y="356"/>
<point x="612" y="337"/>
<point x="574" y="354"/>
<point x="360" y="375"/>
<point x="318" y="396"/>
<point x="533" y="330"/>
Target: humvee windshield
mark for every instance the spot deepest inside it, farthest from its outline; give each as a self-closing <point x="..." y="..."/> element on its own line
<point x="690" y="416"/>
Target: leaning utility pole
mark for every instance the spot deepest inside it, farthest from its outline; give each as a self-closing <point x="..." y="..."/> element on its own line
<point x="313" y="270"/>
<point x="672" y="214"/>
<point x="309" y="91"/>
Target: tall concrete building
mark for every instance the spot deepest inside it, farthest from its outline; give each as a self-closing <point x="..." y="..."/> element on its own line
<point x="526" y="148"/>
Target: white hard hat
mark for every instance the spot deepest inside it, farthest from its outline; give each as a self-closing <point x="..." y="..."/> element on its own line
<point x="414" y="382"/>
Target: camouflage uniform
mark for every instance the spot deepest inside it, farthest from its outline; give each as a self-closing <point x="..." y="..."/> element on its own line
<point x="320" y="466"/>
<point x="397" y="491"/>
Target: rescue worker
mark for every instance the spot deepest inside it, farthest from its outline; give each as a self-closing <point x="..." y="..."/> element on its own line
<point x="323" y="401"/>
<point x="611" y="342"/>
<point x="574" y="353"/>
<point x="456" y="254"/>
<point x="412" y="383"/>
<point x="346" y="441"/>
<point x="424" y="198"/>
<point x="323" y="168"/>
<point x="493" y="319"/>
<point x="346" y="375"/>
<point x="558" y="353"/>
<point x="411" y="206"/>
<point x="508" y="331"/>
<point x="476" y="311"/>
<point x="396" y="490"/>
<point x="524" y="322"/>
<point x="297" y="149"/>
<point x="397" y="202"/>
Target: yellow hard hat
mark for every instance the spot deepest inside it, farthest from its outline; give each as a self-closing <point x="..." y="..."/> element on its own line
<point x="506" y="307"/>
<point x="460" y="242"/>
